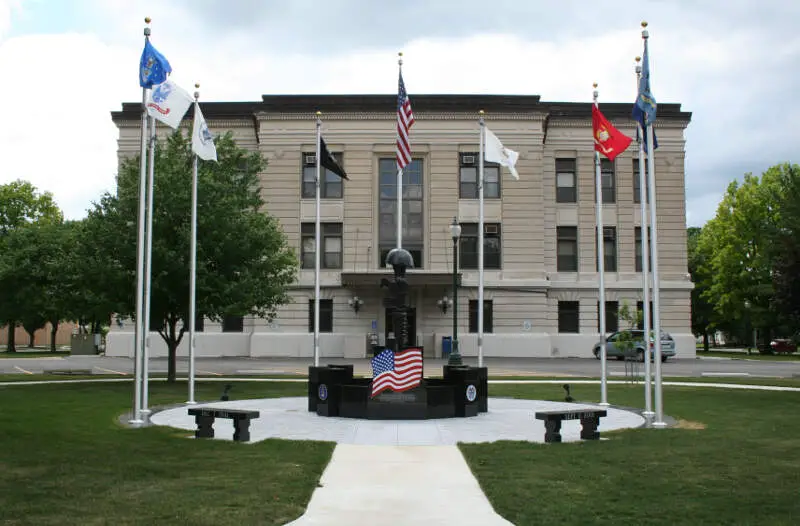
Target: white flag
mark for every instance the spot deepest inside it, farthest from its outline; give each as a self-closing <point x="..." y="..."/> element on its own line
<point x="497" y="153"/>
<point x="202" y="140"/>
<point x="168" y="103"/>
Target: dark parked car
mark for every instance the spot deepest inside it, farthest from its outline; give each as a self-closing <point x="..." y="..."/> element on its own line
<point x="783" y="345"/>
<point x="615" y="350"/>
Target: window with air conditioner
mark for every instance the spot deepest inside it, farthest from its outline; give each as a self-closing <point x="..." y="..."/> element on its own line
<point x="468" y="246"/>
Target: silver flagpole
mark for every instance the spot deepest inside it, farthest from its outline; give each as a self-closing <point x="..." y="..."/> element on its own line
<point x="399" y="189"/>
<point x="480" y="239"/>
<point x="148" y="273"/>
<point x="648" y="376"/>
<point x="193" y="266"/>
<point x="317" y="247"/>
<point x="651" y="187"/>
<point x="136" y="418"/>
<point x="601" y="264"/>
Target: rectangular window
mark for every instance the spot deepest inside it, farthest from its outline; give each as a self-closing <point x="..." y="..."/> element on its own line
<point x="233" y="324"/>
<point x="569" y="316"/>
<point x="488" y="317"/>
<point x="468" y="177"/>
<point x="331" y="242"/>
<point x="330" y="186"/>
<point x="468" y="246"/>
<point x="567" y="248"/>
<point x="325" y="315"/>
<point x="608" y="181"/>
<point x="566" y="181"/>
<point x="413" y="219"/>
<point x="640" y="315"/>
<point x="609" y="249"/>
<point x="636" y="181"/>
<point x="638" y="246"/>
<point x="612" y="316"/>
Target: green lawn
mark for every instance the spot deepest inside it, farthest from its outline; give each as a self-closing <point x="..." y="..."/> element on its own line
<point x="734" y="460"/>
<point x="64" y="459"/>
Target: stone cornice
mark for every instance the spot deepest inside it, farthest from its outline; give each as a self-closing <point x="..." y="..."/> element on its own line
<point x="186" y="124"/>
<point x="619" y="123"/>
<point x="391" y="116"/>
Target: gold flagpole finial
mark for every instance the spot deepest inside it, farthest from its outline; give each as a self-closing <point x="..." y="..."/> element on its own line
<point x="481" y="112"/>
<point x="318" y="113"/>
<point x="644" y="24"/>
<point x="638" y="59"/>
<point x="594" y="84"/>
<point x="400" y="58"/>
<point x="147" y="20"/>
<point x="196" y="93"/>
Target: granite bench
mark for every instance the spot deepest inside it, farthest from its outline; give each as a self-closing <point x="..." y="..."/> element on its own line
<point x="204" y="417"/>
<point x="590" y="419"/>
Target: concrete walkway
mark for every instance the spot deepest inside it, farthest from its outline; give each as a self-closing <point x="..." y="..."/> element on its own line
<point x="398" y="486"/>
<point x="288" y="418"/>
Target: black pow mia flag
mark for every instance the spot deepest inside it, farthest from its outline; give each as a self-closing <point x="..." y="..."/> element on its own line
<point x="326" y="160"/>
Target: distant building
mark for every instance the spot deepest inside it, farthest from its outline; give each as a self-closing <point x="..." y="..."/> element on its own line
<point x="41" y="338"/>
<point x="540" y="252"/>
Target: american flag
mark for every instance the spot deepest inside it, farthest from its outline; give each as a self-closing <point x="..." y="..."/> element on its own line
<point x="399" y="372"/>
<point x="405" y="118"/>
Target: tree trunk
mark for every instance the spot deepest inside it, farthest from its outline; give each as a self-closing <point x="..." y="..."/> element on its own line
<point x="12" y="337"/>
<point x="53" y="331"/>
<point x="172" y="347"/>
<point x="705" y="340"/>
<point x="30" y="340"/>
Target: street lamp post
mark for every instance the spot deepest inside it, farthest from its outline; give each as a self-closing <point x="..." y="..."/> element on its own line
<point x="455" y="355"/>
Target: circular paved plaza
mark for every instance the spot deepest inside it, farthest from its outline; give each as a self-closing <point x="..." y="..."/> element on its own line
<point x="289" y="418"/>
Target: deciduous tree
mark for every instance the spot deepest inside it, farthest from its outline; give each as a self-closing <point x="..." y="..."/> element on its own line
<point x="244" y="264"/>
<point x="20" y="204"/>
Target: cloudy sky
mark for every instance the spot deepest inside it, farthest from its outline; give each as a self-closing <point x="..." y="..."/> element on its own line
<point x="67" y="63"/>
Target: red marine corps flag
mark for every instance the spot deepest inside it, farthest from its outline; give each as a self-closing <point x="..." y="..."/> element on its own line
<point x="607" y="139"/>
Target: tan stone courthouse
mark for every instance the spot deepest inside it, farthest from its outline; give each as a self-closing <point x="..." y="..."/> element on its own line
<point x="541" y="281"/>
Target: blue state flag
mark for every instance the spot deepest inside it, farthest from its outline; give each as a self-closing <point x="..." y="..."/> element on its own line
<point x="153" y="66"/>
<point x="644" y="109"/>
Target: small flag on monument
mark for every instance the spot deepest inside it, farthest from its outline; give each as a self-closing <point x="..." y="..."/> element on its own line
<point x="396" y="371"/>
<point x="607" y="139"/>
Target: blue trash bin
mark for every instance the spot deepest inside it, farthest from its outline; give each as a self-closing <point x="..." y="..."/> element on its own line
<point x="447" y="346"/>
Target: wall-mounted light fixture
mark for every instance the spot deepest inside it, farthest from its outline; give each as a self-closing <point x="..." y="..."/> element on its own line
<point x="355" y="302"/>
<point x="444" y="303"/>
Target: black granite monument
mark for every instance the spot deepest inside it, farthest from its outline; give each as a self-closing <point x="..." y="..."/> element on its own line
<point x="461" y="392"/>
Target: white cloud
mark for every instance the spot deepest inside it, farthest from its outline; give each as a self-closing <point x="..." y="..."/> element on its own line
<point x="62" y="139"/>
<point x="57" y="132"/>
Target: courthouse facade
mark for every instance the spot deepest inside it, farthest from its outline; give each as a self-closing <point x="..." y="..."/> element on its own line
<point x="541" y="277"/>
